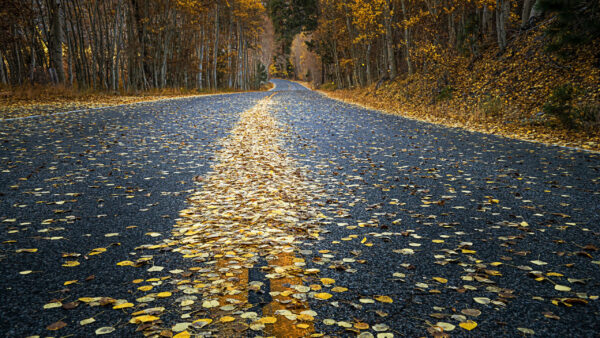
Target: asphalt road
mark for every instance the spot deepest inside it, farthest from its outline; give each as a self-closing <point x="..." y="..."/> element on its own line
<point x="453" y="226"/>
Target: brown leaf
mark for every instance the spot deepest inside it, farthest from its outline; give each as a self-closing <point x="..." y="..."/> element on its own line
<point x="70" y="305"/>
<point x="56" y="326"/>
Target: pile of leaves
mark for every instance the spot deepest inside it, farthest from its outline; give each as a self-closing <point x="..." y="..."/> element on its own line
<point x="508" y="93"/>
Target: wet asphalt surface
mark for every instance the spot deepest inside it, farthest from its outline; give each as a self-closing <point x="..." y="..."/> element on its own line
<point x="408" y="201"/>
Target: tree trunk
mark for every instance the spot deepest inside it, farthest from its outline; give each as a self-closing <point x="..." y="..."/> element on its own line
<point x="200" y="51"/>
<point x="216" y="46"/>
<point x="406" y="39"/>
<point x="336" y="60"/>
<point x="389" y="39"/>
<point x="55" y="40"/>
<point x="535" y="12"/>
<point x="527" y="4"/>
<point x="368" y="64"/>
<point x="353" y="50"/>
<point x="3" y="77"/>
<point x="502" y="13"/>
<point x="229" y="56"/>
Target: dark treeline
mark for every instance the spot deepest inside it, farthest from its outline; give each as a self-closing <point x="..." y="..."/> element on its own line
<point x="132" y="45"/>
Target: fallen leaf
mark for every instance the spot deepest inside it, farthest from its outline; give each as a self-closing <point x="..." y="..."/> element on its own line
<point x="105" y="330"/>
<point x="445" y="326"/>
<point x="471" y="312"/>
<point x="384" y="299"/>
<point x="122" y="306"/>
<point x="87" y="321"/>
<point x="482" y="300"/>
<point x="226" y="319"/>
<point x="323" y="295"/>
<point x="144" y="319"/>
<point x="525" y="330"/>
<point x="183" y="334"/>
<point x="468" y="325"/>
<point x="327" y="281"/>
<point x="56" y="326"/>
<point x="268" y="320"/>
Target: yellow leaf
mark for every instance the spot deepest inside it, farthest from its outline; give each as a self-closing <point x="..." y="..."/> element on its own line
<point x="144" y="319"/>
<point x="203" y="320"/>
<point x="87" y="299"/>
<point x="323" y="295"/>
<point x="70" y="264"/>
<point x="268" y="320"/>
<point x="303" y="326"/>
<point x="305" y="317"/>
<point x="467" y="251"/>
<point x="440" y="280"/>
<point x="126" y="263"/>
<point x="468" y="325"/>
<point x="164" y="294"/>
<point x="226" y="319"/>
<point x="52" y="305"/>
<point x="327" y="281"/>
<point x="122" y="306"/>
<point x="562" y="287"/>
<point x="87" y="321"/>
<point x="183" y="334"/>
<point x="554" y="274"/>
<point x="145" y="288"/>
<point x="384" y="299"/>
<point x="361" y="326"/>
<point x="26" y="250"/>
<point x="339" y="289"/>
<point x="97" y="251"/>
<point x="69" y="282"/>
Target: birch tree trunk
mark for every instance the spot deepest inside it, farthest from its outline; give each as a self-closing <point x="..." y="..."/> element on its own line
<point x="389" y="39"/>
<point x="406" y="39"/>
<point x="216" y="46"/>
<point x="55" y="41"/>
<point x="502" y="13"/>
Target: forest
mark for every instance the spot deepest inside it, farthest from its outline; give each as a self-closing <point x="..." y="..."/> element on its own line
<point x="133" y="45"/>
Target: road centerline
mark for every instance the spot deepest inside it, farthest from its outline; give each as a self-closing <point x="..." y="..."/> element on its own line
<point x="255" y="202"/>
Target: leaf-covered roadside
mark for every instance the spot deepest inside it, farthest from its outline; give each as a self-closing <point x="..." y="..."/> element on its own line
<point x="499" y="94"/>
<point x="46" y="101"/>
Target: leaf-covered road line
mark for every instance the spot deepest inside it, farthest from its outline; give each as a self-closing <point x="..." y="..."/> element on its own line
<point x="254" y="205"/>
